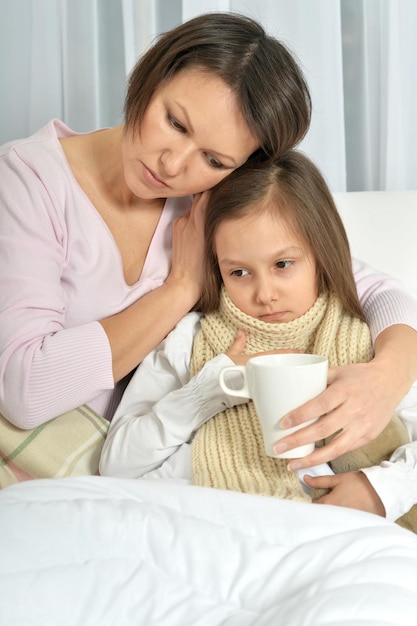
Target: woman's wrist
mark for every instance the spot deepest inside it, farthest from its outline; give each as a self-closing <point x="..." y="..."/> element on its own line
<point x="184" y="290"/>
<point x="396" y="352"/>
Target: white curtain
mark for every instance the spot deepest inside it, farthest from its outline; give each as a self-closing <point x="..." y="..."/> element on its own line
<point x="380" y="79"/>
<point x="70" y="59"/>
<point x="60" y="59"/>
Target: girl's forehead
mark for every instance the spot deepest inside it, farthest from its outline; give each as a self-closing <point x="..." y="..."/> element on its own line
<point x="266" y="223"/>
<point x="257" y="219"/>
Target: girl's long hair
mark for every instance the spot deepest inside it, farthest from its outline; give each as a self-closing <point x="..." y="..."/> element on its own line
<point x="294" y="188"/>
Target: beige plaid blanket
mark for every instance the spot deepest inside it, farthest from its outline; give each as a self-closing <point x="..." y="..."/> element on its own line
<point x="69" y="445"/>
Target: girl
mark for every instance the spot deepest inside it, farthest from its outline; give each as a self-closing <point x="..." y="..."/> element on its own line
<point x="278" y="274"/>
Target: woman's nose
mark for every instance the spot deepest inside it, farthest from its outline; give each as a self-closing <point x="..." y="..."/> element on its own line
<point x="173" y="162"/>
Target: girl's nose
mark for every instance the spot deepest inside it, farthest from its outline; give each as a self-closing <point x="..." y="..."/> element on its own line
<point x="266" y="292"/>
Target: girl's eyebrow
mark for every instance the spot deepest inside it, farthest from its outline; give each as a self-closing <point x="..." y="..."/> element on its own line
<point x="290" y="250"/>
<point x="223" y="157"/>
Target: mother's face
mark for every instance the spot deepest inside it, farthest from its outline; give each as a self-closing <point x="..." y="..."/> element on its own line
<point x="192" y="136"/>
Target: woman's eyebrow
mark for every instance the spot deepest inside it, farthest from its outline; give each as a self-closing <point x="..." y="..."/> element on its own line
<point x="185" y="113"/>
<point x="222" y="156"/>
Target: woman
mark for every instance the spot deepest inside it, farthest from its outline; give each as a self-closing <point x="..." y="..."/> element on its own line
<point x="89" y="283"/>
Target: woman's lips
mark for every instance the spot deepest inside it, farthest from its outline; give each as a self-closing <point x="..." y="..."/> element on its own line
<point x="152" y="179"/>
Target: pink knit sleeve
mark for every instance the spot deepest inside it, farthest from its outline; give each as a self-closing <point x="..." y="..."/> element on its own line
<point x="385" y="299"/>
<point x="46" y="367"/>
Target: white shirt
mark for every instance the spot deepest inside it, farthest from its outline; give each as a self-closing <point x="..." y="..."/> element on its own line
<point x="163" y="406"/>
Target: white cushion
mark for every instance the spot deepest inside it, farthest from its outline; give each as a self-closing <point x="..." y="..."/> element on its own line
<point x="382" y="230"/>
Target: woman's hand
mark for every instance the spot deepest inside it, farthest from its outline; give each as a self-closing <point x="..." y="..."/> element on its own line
<point x="188" y="248"/>
<point x="356" y="405"/>
<point x="352" y="490"/>
<point x="235" y="352"/>
<point x="133" y="333"/>
<point x="358" y="402"/>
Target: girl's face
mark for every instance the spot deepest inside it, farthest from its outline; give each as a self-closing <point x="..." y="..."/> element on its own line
<point x="267" y="269"/>
<point x="192" y="136"/>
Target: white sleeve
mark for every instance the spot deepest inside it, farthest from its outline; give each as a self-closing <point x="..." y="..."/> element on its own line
<point x="384" y="299"/>
<point x="163" y="406"/>
<point x="395" y="481"/>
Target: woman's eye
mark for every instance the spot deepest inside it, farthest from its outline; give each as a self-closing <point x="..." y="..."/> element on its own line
<point x="214" y="162"/>
<point x="282" y="265"/>
<point x="175" y="124"/>
<point x="239" y="273"/>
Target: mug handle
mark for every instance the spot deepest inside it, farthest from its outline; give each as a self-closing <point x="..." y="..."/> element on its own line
<point x="243" y="392"/>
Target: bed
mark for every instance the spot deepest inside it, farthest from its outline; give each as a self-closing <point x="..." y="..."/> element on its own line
<point x="95" y="551"/>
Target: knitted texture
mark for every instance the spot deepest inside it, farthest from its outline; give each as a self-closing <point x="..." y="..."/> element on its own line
<point x="228" y="450"/>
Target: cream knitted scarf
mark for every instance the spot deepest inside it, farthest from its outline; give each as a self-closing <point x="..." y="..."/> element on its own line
<point x="228" y="451"/>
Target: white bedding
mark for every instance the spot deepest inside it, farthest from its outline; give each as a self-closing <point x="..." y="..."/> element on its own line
<point x="99" y="551"/>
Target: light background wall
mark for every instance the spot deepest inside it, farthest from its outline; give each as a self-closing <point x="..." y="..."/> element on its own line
<point x="70" y="59"/>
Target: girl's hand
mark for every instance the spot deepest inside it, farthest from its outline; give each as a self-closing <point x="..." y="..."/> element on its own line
<point x="352" y="490"/>
<point x="235" y="352"/>
<point x="188" y="247"/>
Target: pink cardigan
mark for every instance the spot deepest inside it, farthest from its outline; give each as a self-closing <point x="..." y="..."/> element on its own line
<point x="60" y="272"/>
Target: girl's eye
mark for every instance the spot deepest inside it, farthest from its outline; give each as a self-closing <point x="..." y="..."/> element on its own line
<point x="214" y="162"/>
<point x="175" y="124"/>
<point x="239" y="273"/>
<point x="282" y="265"/>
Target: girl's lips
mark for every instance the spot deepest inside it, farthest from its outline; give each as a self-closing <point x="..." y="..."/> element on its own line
<point x="152" y="179"/>
<point x="273" y="317"/>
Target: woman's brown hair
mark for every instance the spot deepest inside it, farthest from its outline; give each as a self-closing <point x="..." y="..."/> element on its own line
<point x="293" y="188"/>
<point x="269" y="85"/>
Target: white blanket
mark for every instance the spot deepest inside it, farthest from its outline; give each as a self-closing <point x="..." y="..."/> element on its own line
<point x="100" y="551"/>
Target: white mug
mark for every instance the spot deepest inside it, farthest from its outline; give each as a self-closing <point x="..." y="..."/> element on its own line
<point x="277" y="384"/>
